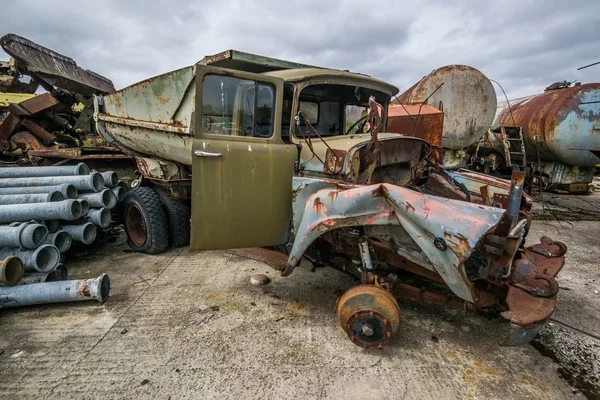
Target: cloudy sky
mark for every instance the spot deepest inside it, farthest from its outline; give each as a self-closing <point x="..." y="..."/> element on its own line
<point x="525" y="45"/>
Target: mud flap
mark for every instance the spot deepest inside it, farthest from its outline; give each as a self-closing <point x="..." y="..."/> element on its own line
<point x="533" y="289"/>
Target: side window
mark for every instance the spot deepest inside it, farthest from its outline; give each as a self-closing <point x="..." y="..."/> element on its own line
<point x="354" y="118"/>
<point x="237" y="107"/>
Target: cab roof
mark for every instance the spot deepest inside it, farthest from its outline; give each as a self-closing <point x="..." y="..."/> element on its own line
<point x="291" y="71"/>
<point x="333" y="76"/>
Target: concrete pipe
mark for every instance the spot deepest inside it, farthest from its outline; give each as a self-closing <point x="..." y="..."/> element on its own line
<point x="29" y="172"/>
<point x="67" y="189"/>
<point x="123" y="185"/>
<point x="41" y="277"/>
<point x="56" y="292"/>
<point x="110" y="179"/>
<point x="43" y="259"/>
<point x="63" y="271"/>
<point x="105" y="198"/>
<point x="100" y="217"/>
<point x="85" y="206"/>
<point x="11" y="270"/>
<point x="119" y="192"/>
<point x="93" y="182"/>
<point x="53" y="225"/>
<point x="27" y="235"/>
<point x="66" y="209"/>
<point x="84" y="233"/>
<point x="31" y="198"/>
<point x="61" y="239"/>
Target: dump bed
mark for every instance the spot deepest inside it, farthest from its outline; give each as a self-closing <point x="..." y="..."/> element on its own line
<point x="153" y="117"/>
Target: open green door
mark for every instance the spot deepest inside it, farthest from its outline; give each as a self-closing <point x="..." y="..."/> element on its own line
<point x="242" y="170"/>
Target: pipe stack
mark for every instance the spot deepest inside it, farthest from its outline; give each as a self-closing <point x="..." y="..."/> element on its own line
<point x="43" y="210"/>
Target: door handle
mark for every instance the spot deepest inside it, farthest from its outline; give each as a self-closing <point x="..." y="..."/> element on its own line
<point x="200" y="153"/>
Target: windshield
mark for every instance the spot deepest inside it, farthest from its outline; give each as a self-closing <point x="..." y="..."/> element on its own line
<point x="333" y="110"/>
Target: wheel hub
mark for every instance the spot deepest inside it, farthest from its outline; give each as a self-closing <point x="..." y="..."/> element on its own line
<point x="135" y="225"/>
<point x="369" y="314"/>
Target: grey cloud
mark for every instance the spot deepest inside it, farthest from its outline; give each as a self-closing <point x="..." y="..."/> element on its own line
<point x="526" y="45"/>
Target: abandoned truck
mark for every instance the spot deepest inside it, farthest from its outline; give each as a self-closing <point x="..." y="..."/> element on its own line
<point x="274" y="154"/>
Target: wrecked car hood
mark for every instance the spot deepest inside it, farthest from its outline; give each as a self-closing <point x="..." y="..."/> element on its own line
<point x="446" y="231"/>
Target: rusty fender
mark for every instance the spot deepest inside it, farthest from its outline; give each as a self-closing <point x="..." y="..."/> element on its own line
<point x="447" y="231"/>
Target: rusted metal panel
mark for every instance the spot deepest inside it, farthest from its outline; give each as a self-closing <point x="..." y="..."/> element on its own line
<point x="38" y="131"/>
<point x="334" y="161"/>
<point x="464" y="94"/>
<point x="320" y="207"/>
<point x="7" y="127"/>
<point x="53" y="68"/>
<point x="33" y="105"/>
<point x="235" y="59"/>
<point x="419" y="120"/>
<point x="532" y="294"/>
<point x="473" y="181"/>
<point x="561" y="125"/>
<point x="272" y="258"/>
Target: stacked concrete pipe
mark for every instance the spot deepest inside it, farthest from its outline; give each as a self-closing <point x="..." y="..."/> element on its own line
<point x="43" y="210"/>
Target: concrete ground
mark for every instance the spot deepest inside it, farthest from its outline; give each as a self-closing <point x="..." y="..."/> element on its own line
<point x="187" y="325"/>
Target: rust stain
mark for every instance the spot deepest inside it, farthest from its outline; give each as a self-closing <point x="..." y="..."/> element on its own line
<point x="319" y="207"/>
<point x="296" y="307"/>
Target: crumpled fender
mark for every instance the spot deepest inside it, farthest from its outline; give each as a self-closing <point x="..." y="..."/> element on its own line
<point x="321" y="206"/>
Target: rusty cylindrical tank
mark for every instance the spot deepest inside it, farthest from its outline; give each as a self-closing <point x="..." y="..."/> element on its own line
<point x="467" y="98"/>
<point x="563" y="124"/>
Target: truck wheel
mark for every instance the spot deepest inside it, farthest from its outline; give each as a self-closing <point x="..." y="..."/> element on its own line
<point x="178" y="213"/>
<point x="145" y="221"/>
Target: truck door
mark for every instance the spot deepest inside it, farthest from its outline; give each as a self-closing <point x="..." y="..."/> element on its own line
<point x="241" y="170"/>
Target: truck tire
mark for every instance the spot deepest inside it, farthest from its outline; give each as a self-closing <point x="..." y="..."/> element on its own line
<point x="178" y="213"/>
<point x="146" y="221"/>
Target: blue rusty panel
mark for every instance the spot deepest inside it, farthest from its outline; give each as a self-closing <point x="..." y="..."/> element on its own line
<point x="321" y="206"/>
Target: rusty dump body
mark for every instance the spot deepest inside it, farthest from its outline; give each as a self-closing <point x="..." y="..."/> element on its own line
<point x="361" y="200"/>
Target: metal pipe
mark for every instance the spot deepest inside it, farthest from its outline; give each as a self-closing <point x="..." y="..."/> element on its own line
<point x="43" y="259"/>
<point x="514" y="195"/>
<point x="85" y="206"/>
<point x="56" y="292"/>
<point x="119" y="192"/>
<point x="11" y="270"/>
<point x="67" y="189"/>
<point x="100" y="217"/>
<point x="105" y="198"/>
<point x="61" y="239"/>
<point x="93" y="182"/>
<point x="66" y="209"/>
<point x="110" y="179"/>
<point x="85" y="233"/>
<point x="31" y="198"/>
<point x="41" y="277"/>
<point x="27" y="235"/>
<point x="29" y="172"/>
<point x="63" y="271"/>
